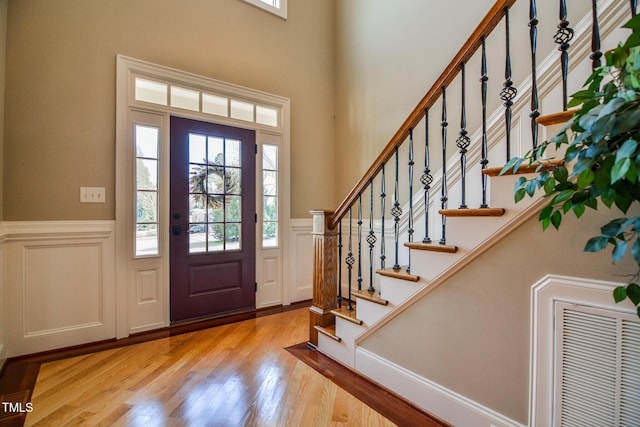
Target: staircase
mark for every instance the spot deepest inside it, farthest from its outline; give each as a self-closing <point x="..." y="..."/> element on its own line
<point x="376" y="257"/>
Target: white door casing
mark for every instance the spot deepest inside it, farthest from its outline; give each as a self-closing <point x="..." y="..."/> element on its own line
<point x="143" y="282"/>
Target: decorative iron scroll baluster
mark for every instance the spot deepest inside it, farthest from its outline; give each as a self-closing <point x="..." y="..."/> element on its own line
<point x="426" y="179"/>
<point x="360" y="241"/>
<point x="396" y="212"/>
<point x="595" y="37"/>
<point x="340" y="264"/>
<point x="634" y="6"/>
<point x="383" y="198"/>
<point x="443" y="197"/>
<point x="533" y="35"/>
<point x="411" y="163"/>
<point x="350" y="260"/>
<point x="463" y="141"/>
<point x="483" y="89"/>
<point x="562" y="37"/>
<point x="371" y="238"/>
<point x="508" y="92"/>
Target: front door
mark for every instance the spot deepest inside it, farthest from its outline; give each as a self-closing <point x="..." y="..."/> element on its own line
<point x="212" y="219"/>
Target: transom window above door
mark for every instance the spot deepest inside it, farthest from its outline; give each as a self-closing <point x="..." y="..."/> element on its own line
<point x="175" y="96"/>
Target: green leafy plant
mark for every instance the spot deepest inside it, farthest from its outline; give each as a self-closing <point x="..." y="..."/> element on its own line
<point x="601" y="142"/>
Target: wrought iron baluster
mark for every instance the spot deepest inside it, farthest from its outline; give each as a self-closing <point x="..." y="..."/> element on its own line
<point x="340" y="264"/>
<point x="426" y="179"/>
<point x="410" y="163"/>
<point x="508" y="92"/>
<point x="396" y="212"/>
<point x="595" y="37"/>
<point x="444" y="197"/>
<point x="383" y="197"/>
<point x="463" y="142"/>
<point x="371" y="238"/>
<point x="562" y="37"/>
<point x="483" y="89"/>
<point x="533" y="35"/>
<point x="360" y="241"/>
<point x="350" y="260"/>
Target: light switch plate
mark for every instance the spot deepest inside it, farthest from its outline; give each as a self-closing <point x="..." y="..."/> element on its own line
<point x="92" y="195"/>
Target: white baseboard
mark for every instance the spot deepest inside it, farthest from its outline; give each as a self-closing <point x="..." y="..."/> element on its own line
<point x="433" y="398"/>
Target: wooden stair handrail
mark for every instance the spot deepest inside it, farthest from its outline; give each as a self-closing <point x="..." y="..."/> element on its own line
<point x="486" y="26"/>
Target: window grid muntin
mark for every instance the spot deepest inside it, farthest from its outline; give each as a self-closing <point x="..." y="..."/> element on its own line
<point x="215" y="225"/>
<point x="147" y="239"/>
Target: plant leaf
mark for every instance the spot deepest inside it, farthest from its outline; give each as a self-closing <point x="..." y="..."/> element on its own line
<point x="556" y="219"/>
<point x="633" y="293"/>
<point x="619" y="294"/>
<point x="619" y="251"/>
<point x="585" y="178"/>
<point x="596" y="244"/>
<point x="626" y="149"/>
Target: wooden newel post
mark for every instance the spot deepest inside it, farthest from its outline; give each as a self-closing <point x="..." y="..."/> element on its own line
<point x="325" y="273"/>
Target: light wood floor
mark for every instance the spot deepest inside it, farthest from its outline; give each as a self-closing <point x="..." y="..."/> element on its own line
<point x="232" y="375"/>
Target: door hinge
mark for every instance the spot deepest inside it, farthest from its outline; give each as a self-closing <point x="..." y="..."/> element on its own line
<point x="256" y="218"/>
<point x="256" y="147"/>
<point x="256" y="286"/>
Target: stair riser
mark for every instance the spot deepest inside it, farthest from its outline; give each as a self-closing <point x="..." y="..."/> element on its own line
<point x="370" y="312"/>
<point x="395" y="290"/>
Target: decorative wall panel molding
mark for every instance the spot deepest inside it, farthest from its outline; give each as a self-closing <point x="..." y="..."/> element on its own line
<point x="59" y="284"/>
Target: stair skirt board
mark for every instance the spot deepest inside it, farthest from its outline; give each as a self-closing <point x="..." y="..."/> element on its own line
<point x="431" y="397"/>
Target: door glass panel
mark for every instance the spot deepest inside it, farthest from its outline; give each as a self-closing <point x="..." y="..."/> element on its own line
<point x="216" y="236"/>
<point x="232" y="181"/>
<point x="232" y="210"/>
<point x="197" y="149"/>
<point x="216" y="151"/>
<point x="215" y="193"/>
<point x="232" y="236"/>
<point x="232" y="153"/>
<point x="197" y="238"/>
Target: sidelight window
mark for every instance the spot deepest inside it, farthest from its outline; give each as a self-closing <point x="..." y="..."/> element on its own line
<point x="146" y="145"/>
<point x="269" y="196"/>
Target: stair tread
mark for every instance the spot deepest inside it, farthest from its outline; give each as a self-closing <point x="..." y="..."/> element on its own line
<point x="472" y="212"/>
<point x="398" y="274"/>
<point x="345" y="314"/>
<point x="526" y="168"/>
<point x="434" y="247"/>
<point x="329" y="331"/>
<point x="556" y="118"/>
<point x="371" y="296"/>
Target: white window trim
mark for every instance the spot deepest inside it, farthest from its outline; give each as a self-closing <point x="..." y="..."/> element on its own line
<point x="279" y="11"/>
<point x="133" y="313"/>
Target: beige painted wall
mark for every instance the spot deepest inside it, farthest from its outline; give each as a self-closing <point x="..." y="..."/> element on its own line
<point x="60" y="97"/>
<point x="473" y="334"/>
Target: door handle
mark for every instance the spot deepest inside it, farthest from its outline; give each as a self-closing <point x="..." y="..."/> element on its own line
<point x="176" y="230"/>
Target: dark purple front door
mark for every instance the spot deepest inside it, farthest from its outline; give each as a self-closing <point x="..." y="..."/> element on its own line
<point x="212" y="219"/>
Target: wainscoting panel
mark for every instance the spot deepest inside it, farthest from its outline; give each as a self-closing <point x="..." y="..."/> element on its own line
<point x="53" y="280"/>
<point x="301" y="262"/>
<point x="59" y="284"/>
